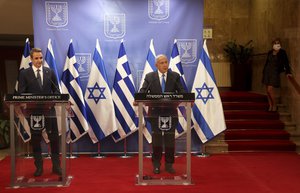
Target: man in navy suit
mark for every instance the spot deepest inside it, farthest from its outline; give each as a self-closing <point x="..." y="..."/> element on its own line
<point x="162" y="81"/>
<point x="38" y="79"/>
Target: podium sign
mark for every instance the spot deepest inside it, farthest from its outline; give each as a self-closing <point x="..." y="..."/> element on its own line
<point x="164" y="112"/>
<point x="28" y="113"/>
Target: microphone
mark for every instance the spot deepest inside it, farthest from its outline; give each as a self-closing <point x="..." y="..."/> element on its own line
<point x="57" y="90"/>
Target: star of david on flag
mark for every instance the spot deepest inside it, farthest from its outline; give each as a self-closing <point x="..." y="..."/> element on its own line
<point x="207" y="112"/>
<point x="71" y="84"/>
<point x="149" y="67"/>
<point x="100" y="109"/>
<point x="93" y="94"/>
<point x="123" y="98"/>
<point x="204" y="93"/>
<point x="176" y="66"/>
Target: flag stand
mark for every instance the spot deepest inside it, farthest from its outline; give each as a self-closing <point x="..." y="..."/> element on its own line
<point x="99" y="154"/>
<point x="125" y="150"/>
<point x="27" y="155"/>
<point x="203" y="152"/>
<point x="48" y="156"/>
<point x="149" y="155"/>
<point x="71" y="156"/>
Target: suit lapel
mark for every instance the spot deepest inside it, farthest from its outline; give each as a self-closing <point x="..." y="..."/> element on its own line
<point x="156" y="79"/>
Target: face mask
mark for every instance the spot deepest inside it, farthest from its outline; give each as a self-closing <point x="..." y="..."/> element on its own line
<point x="276" y="47"/>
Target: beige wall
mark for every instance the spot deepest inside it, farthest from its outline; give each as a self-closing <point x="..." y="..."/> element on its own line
<point x="261" y="21"/>
<point x="16" y="17"/>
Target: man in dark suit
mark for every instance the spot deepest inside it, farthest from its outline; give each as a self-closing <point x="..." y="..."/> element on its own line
<point x="38" y="79"/>
<point x="162" y="81"/>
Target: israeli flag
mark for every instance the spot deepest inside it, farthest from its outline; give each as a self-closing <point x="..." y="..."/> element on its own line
<point x="176" y="66"/>
<point x="123" y="98"/>
<point x="20" y="121"/>
<point x="149" y="67"/>
<point x="70" y="84"/>
<point x="100" y="108"/>
<point x="207" y="112"/>
<point x="51" y="63"/>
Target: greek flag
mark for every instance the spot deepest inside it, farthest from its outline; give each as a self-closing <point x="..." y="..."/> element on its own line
<point x="100" y="108"/>
<point x="207" y="112"/>
<point x="70" y="84"/>
<point x="175" y="66"/>
<point x="123" y="98"/>
<point x="25" y="61"/>
<point x="21" y="122"/>
<point x="149" y="67"/>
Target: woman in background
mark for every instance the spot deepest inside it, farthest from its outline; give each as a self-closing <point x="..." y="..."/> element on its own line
<point x="277" y="62"/>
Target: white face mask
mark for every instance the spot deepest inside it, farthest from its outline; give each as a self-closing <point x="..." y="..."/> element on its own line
<point x="276" y="47"/>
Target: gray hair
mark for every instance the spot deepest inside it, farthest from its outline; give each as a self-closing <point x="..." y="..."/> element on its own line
<point x="160" y="56"/>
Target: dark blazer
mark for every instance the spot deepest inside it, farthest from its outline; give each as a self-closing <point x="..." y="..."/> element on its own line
<point x="284" y="65"/>
<point x="152" y="85"/>
<point x="29" y="84"/>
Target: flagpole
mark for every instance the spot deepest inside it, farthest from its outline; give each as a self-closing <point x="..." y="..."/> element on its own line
<point x="71" y="156"/>
<point x="48" y="151"/>
<point x="27" y="155"/>
<point x="203" y="151"/>
<point x="99" y="154"/>
<point x="125" y="150"/>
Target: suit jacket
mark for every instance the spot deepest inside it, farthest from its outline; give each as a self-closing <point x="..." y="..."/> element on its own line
<point x="28" y="82"/>
<point x="152" y="85"/>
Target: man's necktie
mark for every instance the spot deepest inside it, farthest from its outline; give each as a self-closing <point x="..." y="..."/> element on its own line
<point x="163" y="83"/>
<point x="38" y="77"/>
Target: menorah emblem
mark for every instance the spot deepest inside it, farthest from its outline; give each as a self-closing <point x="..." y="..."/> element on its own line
<point x="158" y="4"/>
<point x="115" y="25"/>
<point x="187" y="50"/>
<point x="37" y="122"/>
<point x="56" y="13"/>
<point x="56" y="9"/>
<point x="115" y="21"/>
<point x="158" y="9"/>
<point x="81" y="61"/>
<point x="164" y="123"/>
<point x="186" y="46"/>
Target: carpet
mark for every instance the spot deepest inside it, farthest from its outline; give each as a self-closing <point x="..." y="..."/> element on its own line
<point x="232" y="173"/>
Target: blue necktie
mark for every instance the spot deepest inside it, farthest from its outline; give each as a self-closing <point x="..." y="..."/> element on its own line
<point x="163" y="83"/>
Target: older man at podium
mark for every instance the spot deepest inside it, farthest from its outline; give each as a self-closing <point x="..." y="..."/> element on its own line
<point x="162" y="81"/>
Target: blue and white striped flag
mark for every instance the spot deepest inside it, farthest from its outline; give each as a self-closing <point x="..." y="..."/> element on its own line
<point x="207" y="112"/>
<point x="70" y="84"/>
<point x="149" y="67"/>
<point x="123" y="98"/>
<point x="21" y="122"/>
<point x="25" y="61"/>
<point x="100" y="108"/>
<point x="175" y="66"/>
<point x="51" y="63"/>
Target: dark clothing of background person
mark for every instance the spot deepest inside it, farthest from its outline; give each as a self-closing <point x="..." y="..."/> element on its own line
<point x="28" y="84"/>
<point x="275" y="64"/>
<point x="152" y="85"/>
